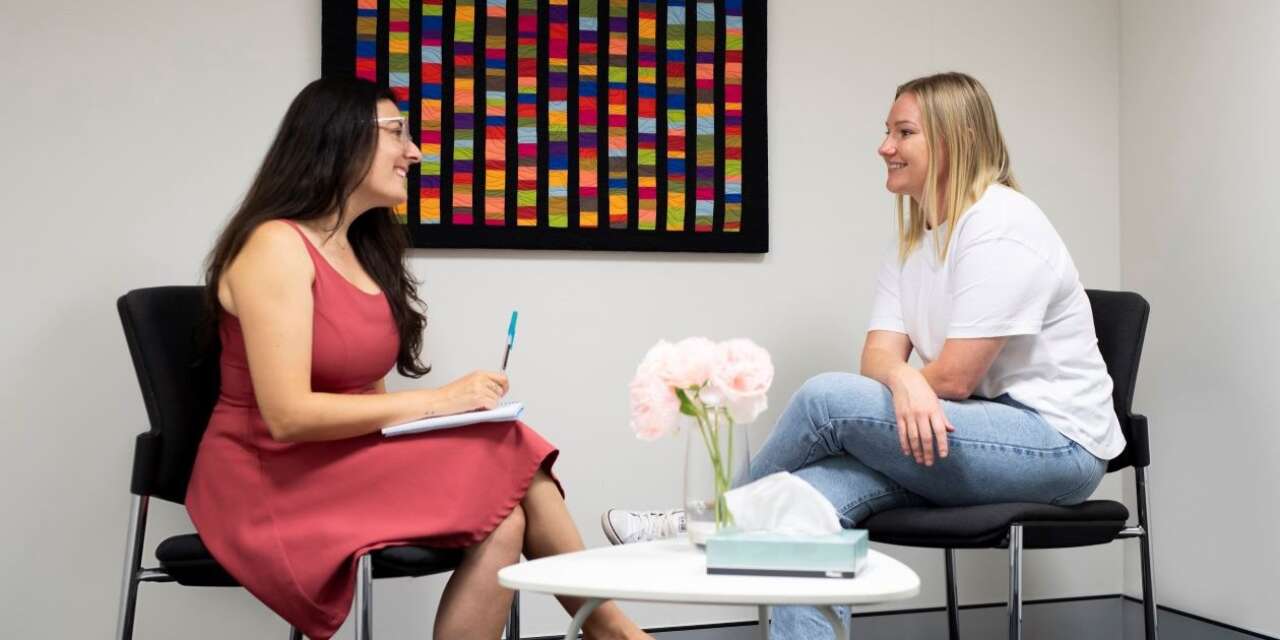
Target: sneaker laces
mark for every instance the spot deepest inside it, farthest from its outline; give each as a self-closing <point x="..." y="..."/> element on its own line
<point x="655" y="525"/>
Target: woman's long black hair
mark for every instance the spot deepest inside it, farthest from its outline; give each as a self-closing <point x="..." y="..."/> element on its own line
<point x="323" y="150"/>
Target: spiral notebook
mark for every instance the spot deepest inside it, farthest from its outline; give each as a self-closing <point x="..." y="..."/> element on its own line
<point x="501" y="413"/>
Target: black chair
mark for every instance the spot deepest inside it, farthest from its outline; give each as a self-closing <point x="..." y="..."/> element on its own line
<point x="179" y="383"/>
<point x="1120" y="319"/>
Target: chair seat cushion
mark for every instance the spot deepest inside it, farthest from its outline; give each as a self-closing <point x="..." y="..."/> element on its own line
<point x="986" y="526"/>
<point x="411" y="562"/>
<point x="190" y="563"/>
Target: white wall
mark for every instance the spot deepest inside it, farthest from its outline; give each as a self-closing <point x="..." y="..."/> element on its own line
<point x="131" y="130"/>
<point x="1199" y="145"/>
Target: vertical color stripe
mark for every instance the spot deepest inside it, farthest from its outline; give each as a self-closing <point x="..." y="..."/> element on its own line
<point x="495" y="113"/>
<point x="647" y="116"/>
<point x="398" y="68"/>
<point x="464" y="111"/>
<point x="733" y="116"/>
<point x="558" y="114"/>
<point x="398" y="54"/>
<point x="676" y="131"/>
<point x="705" y="114"/>
<point x="527" y="113"/>
<point x="618" y="187"/>
<point x="432" y="92"/>
<point x="367" y="40"/>
<point x="588" y="114"/>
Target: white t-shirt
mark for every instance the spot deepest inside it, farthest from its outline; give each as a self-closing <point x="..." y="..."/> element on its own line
<point x="1008" y="273"/>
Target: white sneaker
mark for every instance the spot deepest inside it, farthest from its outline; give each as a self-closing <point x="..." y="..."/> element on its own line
<point x="625" y="527"/>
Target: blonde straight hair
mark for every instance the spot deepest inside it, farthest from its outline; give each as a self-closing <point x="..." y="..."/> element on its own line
<point x="960" y="125"/>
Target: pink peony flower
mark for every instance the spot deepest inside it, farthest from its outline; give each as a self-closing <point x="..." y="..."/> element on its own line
<point x="689" y="364"/>
<point x="654" y="406"/>
<point x="655" y="358"/>
<point x="682" y="365"/>
<point x="740" y="379"/>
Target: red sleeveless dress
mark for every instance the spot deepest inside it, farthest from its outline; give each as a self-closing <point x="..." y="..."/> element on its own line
<point x="288" y="520"/>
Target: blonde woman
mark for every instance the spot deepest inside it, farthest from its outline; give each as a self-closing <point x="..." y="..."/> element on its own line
<point x="1013" y="403"/>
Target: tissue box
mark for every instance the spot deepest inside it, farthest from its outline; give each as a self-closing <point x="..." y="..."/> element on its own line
<point x="840" y="555"/>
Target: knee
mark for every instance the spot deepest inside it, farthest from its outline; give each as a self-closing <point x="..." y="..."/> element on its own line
<point x="814" y="392"/>
<point x="515" y="520"/>
<point x="510" y="532"/>
<point x="826" y="383"/>
<point x="848" y="387"/>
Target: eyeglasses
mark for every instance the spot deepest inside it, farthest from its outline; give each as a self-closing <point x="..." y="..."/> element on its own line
<point x="397" y="125"/>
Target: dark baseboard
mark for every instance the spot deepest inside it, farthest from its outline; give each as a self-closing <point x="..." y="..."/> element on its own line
<point x="1197" y="618"/>
<point x="985" y="605"/>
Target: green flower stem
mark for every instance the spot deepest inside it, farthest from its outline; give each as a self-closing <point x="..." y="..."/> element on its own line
<point x="709" y="429"/>
<point x="725" y="479"/>
<point x="710" y="426"/>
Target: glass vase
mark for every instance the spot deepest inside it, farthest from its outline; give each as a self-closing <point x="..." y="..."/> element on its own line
<point x="716" y="453"/>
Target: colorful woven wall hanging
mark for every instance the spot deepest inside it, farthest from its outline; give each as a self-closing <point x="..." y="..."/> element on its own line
<point x="572" y="124"/>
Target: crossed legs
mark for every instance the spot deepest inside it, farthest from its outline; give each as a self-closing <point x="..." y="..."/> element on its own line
<point x="474" y="605"/>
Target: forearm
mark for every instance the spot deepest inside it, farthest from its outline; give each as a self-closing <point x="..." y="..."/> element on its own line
<point x="313" y="416"/>
<point x="944" y="384"/>
<point x="890" y="370"/>
<point x="886" y="367"/>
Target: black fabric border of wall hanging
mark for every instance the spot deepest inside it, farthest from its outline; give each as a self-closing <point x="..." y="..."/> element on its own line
<point x="635" y="125"/>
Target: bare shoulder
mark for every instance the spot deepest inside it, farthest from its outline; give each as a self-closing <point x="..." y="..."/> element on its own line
<point x="275" y="246"/>
<point x="273" y="255"/>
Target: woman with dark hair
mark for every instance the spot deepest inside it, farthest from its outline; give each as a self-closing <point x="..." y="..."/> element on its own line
<point x="313" y="304"/>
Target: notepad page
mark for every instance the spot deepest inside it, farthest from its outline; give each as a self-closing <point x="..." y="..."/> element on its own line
<point x="503" y="412"/>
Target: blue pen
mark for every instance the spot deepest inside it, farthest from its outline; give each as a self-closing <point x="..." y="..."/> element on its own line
<point x="511" y="338"/>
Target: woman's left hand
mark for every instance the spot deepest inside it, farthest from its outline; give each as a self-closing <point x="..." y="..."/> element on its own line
<point x="922" y="425"/>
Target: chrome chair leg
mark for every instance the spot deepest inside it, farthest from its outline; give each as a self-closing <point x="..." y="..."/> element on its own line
<point x="513" y="618"/>
<point x="953" y="605"/>
<point x="132" y="565"/>
<point x="294" y="634"/>
<point x="1144" y="547"/>
<point x="1015" y="582"/>
<point x="364" y="597"/>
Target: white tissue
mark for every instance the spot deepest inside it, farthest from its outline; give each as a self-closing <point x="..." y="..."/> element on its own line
<point x="782" y="503"/>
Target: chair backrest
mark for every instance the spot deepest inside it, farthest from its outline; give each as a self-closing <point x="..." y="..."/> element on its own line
<point x="179" y="380"/>
<point x="1120" y="320"/>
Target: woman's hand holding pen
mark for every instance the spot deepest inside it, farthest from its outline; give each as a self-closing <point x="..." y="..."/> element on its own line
<point x="476" y="390"/>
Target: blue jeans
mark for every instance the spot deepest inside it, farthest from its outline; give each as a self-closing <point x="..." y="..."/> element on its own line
<point x="839" y="434"/>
